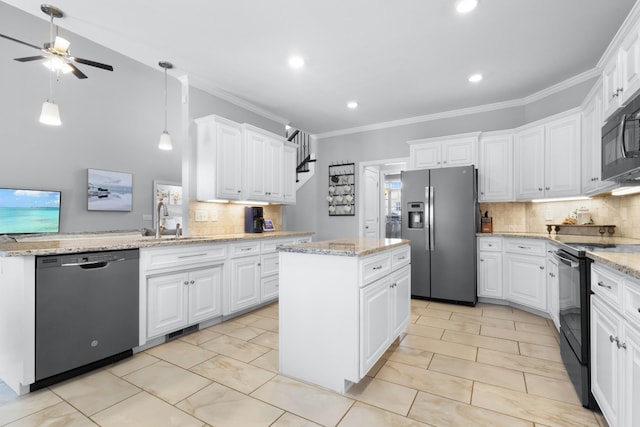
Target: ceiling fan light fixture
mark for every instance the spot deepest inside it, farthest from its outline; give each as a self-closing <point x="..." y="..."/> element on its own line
<point x="55" y="64"/>
<point x="475" y="78"/>
<point x="165" y="138"/>
<point x="61" y="45"/>
<point x="50" y="115"/>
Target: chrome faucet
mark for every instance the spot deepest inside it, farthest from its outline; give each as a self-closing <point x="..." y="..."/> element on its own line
<point x="160" y="225"/>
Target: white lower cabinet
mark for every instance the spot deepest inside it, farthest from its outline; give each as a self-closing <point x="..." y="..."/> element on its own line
<point x="524" y="276"/>
<point x="615" y="352"/>
<point x="490" y="267"/>
<point x="244" y="286"/>
<point x="553" y="291"/>
<point x="181" y="299"/>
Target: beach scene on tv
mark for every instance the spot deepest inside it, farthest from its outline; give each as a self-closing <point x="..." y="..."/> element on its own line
<point x="29" y="211"/>
<point x="109" y="191"/>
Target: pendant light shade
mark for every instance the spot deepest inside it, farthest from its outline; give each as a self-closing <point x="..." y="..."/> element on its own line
<point x="50" y="114"/>
<point x="165" y="138"/>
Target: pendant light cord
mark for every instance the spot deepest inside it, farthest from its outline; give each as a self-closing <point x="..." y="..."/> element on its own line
<point x="165" y="100"/>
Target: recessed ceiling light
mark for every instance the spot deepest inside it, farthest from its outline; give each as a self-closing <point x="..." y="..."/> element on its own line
<point x="466" y="6"/>
<point x="296" y="62"/>
<point x="352" y="104"/>
<point x="475" y="78"/>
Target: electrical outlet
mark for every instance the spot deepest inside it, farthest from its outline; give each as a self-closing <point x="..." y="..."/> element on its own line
<point x="213" y="215"/>
<point x="201" y="216"/>
<point x="147" y="217"/>
<point x="548" y="215"/>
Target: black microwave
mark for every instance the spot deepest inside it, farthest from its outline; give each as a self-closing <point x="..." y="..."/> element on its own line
<point x="621" y="145"/>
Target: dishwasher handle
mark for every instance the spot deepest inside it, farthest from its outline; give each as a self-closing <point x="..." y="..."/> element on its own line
<point x="565" y="260"/>
<point x="88" y="265"/>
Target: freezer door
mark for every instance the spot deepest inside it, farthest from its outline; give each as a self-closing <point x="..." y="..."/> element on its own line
<point x="453" y="245"/>
<point x="414" y="186"/>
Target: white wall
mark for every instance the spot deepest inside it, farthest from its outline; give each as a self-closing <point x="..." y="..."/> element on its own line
<point x="112" y="121"/>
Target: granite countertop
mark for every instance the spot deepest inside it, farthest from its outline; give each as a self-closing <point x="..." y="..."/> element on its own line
<point x="92" y="242"/>
<point x="345" y="247"/>
<point x="628" y="263"/>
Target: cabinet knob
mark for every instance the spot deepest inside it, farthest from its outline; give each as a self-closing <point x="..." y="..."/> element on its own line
<point x="482" y="192"/>
<point x="542" y="267"/>
<point x="186" y="282"/>
<point x="481" y="260"/>
<point x="192" y="282"/>
<point x="444" y="161"/>
<point x="547" y="188"/>
<point x="539" y="188"/>
<point x="239" y="191"/>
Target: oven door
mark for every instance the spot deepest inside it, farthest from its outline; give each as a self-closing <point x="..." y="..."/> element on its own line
<point x="574" y="304"/>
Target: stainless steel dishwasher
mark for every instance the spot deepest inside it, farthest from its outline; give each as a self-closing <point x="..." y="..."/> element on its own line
<point x="87" y="308"/>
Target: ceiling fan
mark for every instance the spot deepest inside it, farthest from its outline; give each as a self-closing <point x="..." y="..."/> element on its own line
<point x="56" y="51"/>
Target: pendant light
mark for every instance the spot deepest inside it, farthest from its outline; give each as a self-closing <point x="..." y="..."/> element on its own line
<point x="165" y="138"/>
<point x="50" y="115"/>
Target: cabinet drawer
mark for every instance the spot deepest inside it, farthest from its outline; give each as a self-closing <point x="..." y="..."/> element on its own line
<point x="631" y="301"/>
<point x="606" y="284"/>
<point x="400" y="257"/>
<point x="269" y="288"/>
<point x="244" y="249"/>
<point x="304" y="239"/>
<point x="526" y="246"/>
<point x="269" y="264"/>
<point x="493" y="244"/>
<point x="270" y="245"/>
<point x="374" y="267"/>
<point x="157" y="258"/>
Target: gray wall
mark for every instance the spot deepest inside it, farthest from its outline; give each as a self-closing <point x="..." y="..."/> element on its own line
<point x="112" y="121"/>
<point x="311" y="213"/>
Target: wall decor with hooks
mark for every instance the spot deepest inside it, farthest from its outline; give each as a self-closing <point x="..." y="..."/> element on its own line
<point x="342" y="189"/>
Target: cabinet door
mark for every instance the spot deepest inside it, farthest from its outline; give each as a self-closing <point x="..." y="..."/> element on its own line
<point x="167" y="303"/>
<point x="205" y="293"/>
<point x="529" y="163"/>
<point x="272" y="168"/>
<point x="589" y="145"/>
<point x="426" y="156"/>
<point x="629" y="66"/>
<point x="495" y="168"/>
<point x="289" y="159"/>
<point x="525" y="280"/>
<point x="375" y="325"/>
<point x="562" y="157"/>
<point x="458" y="152"/>
<point x="256" y="148"/>
<point x="605" y="362"/>
<point x="553" y="291"/>
<point x="490" y="274"/>
<point x="245" y="283"/>
<point x="631" y="377"/>
<point x="269" y="288"/>
<point x="401" y="300"/>
<point x="610" y="86"/>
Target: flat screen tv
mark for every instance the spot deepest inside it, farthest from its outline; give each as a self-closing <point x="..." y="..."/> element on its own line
<point x="29" y="211"/>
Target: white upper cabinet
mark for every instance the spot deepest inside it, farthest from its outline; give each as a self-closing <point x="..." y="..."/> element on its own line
<point x="621" y="74"/>
<point x="547" y="159"/>
<point x="442" y="152"/>
<point x="264" y="165"/>
<point x="495" y="168"/>
<point x="218" y="159"/>
<point x="592" y="182"/>
<point x="289" y="164"/>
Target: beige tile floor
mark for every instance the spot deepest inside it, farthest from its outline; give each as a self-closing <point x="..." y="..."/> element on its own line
<point x="487" y="365"/>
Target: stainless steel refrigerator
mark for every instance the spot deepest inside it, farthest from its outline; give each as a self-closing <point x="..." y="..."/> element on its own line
<point x="440" y="218"/>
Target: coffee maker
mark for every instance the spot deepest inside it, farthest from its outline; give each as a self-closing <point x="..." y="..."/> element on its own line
<point x="253" y="219"/>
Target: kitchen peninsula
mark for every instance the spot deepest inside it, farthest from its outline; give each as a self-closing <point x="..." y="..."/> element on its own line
<point x="342" y="303"/>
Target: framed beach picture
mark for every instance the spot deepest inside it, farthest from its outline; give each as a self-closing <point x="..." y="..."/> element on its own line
<point x="109" y="191"/>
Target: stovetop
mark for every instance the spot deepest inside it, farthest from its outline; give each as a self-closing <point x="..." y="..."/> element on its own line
<point x="580" y="249"/>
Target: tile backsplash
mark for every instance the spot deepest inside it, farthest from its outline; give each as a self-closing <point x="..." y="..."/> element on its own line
<point x="230" y="218"/>
<point x="621" y="211"/>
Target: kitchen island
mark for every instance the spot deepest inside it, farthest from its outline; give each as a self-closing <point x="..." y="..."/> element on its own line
<point x="342" y="304"/>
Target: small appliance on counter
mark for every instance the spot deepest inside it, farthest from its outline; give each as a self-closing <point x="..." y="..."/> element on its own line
<point x="253" y="219"/>
<point x="486" y="223"/>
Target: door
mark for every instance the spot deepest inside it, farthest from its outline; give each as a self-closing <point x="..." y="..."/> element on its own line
<point x="415" y="184"/>
<point x="371" y="202"/>
<point x="490" y="275"/>
<point x="245" y="283"/>
<point x="375" y="322"/>
<point x="526" y="280"/>
<point x="401" y="300"/>
<point x="228" y="161"/>
<point x="167" y="303"/>
<point x="632" y="377"/>
<point x="453" y="233"/>
<point x="529" y="163"/>
<point x="562" y="158"/>
<point x="205" y="292"/>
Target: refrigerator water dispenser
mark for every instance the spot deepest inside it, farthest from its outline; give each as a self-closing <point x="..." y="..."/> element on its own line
<point x="416" y="214"/>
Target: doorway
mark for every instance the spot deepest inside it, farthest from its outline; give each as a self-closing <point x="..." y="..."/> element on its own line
<point x="380" y="185"/>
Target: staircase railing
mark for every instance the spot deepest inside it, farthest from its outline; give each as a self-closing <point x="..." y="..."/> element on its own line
<point x="303" y="142"/>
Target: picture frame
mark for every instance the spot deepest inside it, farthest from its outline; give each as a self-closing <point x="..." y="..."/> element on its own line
<point x="268" y="225"/>
<point x="109" y="190"/>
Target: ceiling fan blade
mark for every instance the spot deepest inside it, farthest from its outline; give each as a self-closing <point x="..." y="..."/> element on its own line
<point x="92" y="63"/>
<point x="76" y="72"/>
<point x="30" y="58"/>
<point x="21" y="42"/>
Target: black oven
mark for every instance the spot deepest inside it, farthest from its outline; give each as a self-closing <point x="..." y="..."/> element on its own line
<point x="621" y="145"/>
<point x="574" y="292"/>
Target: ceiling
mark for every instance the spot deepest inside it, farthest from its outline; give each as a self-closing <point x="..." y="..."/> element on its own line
<point x="397" y="59"/>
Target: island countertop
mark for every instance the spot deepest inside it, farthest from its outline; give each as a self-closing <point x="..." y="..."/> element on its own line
<point x="352" y="247"/>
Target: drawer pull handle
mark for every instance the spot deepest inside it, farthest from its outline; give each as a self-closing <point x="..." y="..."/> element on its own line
<point x="377" y="267"/>
<point x="191" y="256"/>
<point x="524" y="247"/>
<point x="401" y="258"/>
<point x="603" y="285"/>
<point x="246" y="249"/>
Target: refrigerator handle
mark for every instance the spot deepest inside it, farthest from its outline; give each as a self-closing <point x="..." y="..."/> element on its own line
<point x="432" y="240"/>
